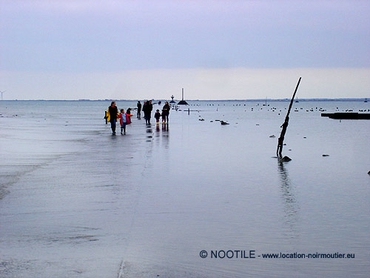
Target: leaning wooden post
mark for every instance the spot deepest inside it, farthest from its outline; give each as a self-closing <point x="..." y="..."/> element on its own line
<point x="284" y="126"/>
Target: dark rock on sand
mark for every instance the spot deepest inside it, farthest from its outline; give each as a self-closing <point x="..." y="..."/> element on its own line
<point x="286" y="159"/>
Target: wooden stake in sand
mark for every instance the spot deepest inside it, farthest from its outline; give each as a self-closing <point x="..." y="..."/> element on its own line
<point x="284" y="126"/>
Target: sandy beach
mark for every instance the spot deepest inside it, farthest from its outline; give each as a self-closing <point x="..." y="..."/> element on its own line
<point x="193" y="198"/>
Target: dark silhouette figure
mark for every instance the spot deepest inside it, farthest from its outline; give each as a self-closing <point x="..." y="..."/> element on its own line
<point x="165" y="112"/>
<point x="147" y="109"/>
<point x="113" y="111"/>
<point x="138" y="110"/>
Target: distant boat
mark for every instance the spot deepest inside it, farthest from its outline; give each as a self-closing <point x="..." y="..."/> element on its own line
<point x="182" y="101"/>
<point x="265" y="104"/>
<point x="365" y="100"/>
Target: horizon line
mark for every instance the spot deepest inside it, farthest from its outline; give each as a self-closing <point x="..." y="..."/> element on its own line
<point x="160" y="99"/>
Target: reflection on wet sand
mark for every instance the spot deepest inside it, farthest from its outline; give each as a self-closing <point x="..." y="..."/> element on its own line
<point x="291" y="207"/>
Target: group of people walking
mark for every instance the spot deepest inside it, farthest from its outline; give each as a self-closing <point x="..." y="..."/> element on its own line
<point x="148" y="108"/>
<point x="165" y="113"/>
<point x="112" y="115"/>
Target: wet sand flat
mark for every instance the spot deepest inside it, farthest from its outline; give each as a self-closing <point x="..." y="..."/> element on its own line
<point x="193" y="198"/>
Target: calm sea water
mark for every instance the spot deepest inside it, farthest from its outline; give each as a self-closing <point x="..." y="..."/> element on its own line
<point x="76" y="201"/>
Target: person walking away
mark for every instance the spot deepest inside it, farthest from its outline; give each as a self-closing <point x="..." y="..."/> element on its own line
<point x="165" y="112"/>
<point x="138" y="110"/>
<point x="150" y="108"/>
<point x="123" y="121"/>
<point x="147" y="109"/>
<point x="157" y="116"/>
<point x="113" y="112"/>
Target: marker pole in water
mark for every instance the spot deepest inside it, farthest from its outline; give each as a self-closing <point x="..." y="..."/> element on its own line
<point x="285" y="124"/>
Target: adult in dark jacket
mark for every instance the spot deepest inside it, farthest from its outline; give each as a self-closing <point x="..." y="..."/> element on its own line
<point x="138" y="109"/>
<point x="147" y="109"/>
<point x="113" y="112"/>
<point x="165" y="112"/>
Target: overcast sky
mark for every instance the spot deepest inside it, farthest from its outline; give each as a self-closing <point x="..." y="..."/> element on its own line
<point x="214" y="49"/>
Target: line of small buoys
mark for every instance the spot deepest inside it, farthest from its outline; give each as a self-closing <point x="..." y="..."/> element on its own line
<point x="280" y="111"/>
<point x="271" y="108"/>
<point x="7" y="116"/>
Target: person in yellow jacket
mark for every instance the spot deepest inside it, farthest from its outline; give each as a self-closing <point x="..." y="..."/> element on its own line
<point x="106" y="116"/>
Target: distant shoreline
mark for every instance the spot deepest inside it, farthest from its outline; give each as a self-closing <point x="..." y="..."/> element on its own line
<point x="195" y="100"/>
